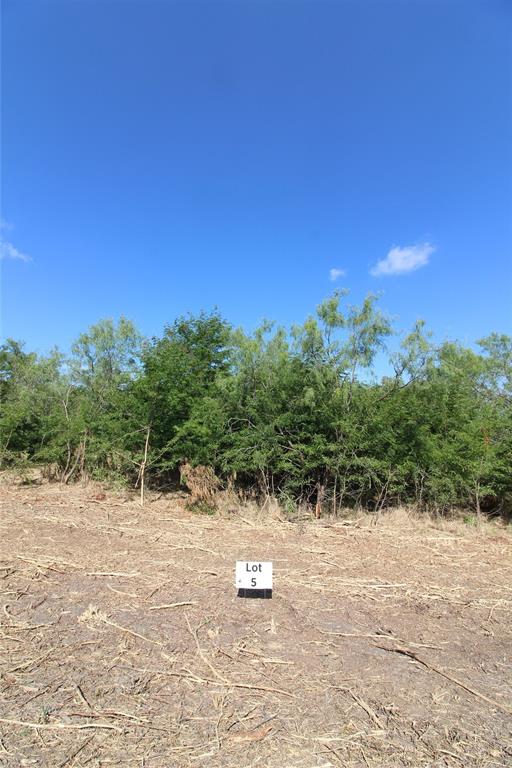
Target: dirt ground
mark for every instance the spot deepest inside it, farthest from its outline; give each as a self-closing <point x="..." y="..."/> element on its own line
<point x="123" y="641"/>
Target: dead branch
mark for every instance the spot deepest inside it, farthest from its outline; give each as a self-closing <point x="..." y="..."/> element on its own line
<point x="171" y="605"/>
<point x="427" y="665"/>
<point x="194" y="632"/>
<point x="59" y="726"/>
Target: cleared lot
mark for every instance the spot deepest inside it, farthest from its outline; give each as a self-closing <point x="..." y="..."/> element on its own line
<point x="123" y="641"/>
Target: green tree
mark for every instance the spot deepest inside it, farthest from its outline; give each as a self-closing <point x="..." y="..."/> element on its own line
<point x="180" y="370"/>
<point x="30" y="386"/>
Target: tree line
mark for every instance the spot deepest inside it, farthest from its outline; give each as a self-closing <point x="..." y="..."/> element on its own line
<point x="292" y="413"/>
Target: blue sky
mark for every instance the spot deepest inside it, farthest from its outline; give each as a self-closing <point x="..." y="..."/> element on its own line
<point x="164" y="157"/>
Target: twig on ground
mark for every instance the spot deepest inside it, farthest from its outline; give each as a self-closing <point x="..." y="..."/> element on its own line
<point x="171" y="605"/>
<point x="194" y="632"/>
<point x="112" y="573"/>
<point x="94" y="615"/>
<point x="369" y="711"/>
<point x="77" y="751"/>
<point x="82" y="696"/>
<point x="379" y="636"/>
<point x="30" y="662"/>
<point x="59" y="726"/>
<point x="229" y="684"/>
<point x="255" y="735"/>
<point x="427" y="665"/>
<point x="333" y="751"/>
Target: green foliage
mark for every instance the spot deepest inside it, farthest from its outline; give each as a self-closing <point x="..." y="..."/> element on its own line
<point x="180" y="371"/>
<point x="30" y="388"/>
<point x="201" y="507"/>
<point x="292" y="414"/>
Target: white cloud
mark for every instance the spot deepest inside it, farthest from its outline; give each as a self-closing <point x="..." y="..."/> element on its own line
<point x="8" y="251"/>
<point x="336" y="273"/>
<point x="399" y="260"/>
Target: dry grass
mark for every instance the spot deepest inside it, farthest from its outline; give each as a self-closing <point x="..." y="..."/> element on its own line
<point x="201" y="482"/>
<point x="387" y="642"/>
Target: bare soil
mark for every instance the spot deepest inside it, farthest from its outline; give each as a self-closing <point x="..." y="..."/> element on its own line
<point x="123" y="641"/>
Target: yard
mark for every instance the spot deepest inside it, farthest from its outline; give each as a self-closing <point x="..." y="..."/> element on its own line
<point x="123" y="641"/>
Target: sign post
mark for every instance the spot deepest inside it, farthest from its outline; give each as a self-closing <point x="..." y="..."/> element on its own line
<point x="253" y="578"/>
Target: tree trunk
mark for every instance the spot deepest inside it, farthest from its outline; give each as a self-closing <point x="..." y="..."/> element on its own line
<point x="143" y="467"/>
<point x="320" y="493"/>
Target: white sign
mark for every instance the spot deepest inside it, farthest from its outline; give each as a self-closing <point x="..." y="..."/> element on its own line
<point x="253" y="575"/>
